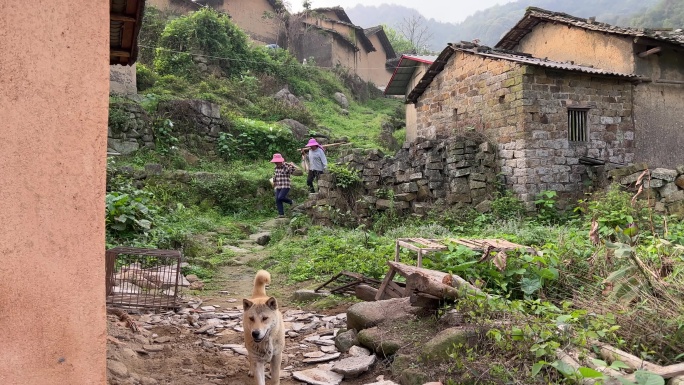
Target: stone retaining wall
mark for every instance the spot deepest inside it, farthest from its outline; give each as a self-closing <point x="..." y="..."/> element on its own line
<point x="197" y="124"/>
<point x="664" y="188"/>
<point x="423" y="175"/>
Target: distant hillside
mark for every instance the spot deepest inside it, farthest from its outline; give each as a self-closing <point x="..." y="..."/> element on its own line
<point x="666" y="14"/>
<point x="490" y="24"/>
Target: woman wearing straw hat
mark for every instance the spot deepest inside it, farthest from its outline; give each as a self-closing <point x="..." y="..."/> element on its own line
<point x="317" y="163"/>
<point x="281" y="182"/>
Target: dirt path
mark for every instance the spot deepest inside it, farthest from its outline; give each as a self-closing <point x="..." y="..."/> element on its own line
<point x="162" y="352"/>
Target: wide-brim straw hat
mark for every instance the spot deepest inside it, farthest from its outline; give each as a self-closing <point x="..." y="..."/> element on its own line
<point x="277" y="158"/>
<point x="312" y="142"/>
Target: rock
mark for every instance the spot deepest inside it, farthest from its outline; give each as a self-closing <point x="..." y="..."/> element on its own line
<point x="287" y="97"/>
<point x="163" y="339"/>
<point x="318" y="377"/>
<point x="124" y="147"/>
<point x="668" y="190"/>
<point x="412" y="376"/>
<point x="381" y="381"/>
<point x="234" y="249"/>
<point x="444" y="343"/>
<point x="153" y="348"/>
<point x="192" y="278"/>
<point x="341" y="99"/>
<point x="363" y="315"/>
<point x="452" y="318"/>
<point x="484" y="207"/>
<point x="345" y="341"/>
<point x="323" y="358"/>
<point x="117" y="369"/>
<point x="344" y="112"/>
<point x="680" y="181"/>
<point x="153" y="169"/>
<point x="365" y="292"/>
<point x="308" y="295"/>
<point x="197" y="285"/>
<point x="299" y="131"/>
<point x="664" y="174"/>
<point x="375" y="340"/>
<point x="261" y="238"/>
<point x="148" y="381"/>
<point x="359" y="351"/>
<point x="353" y="366"/>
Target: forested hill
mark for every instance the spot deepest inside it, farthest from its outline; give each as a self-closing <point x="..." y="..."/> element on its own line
<point x="490" y="24"/>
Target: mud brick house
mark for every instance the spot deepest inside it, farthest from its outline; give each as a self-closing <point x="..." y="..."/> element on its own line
<point x="543" y="115"/>
<point x="255" y="17"/>
<point x="408" y="70"/>
<point x="656" y="56"/>
<point x="331" y="39"/>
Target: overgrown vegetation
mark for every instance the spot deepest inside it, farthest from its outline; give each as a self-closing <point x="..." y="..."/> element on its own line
<point x="607" y="270"/>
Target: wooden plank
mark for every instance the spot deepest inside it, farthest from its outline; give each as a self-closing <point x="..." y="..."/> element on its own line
<point x="120" y="17"/>
<point x="407" y="245"/>
<point x="385" y="282"/>
<point x="396" y="251"/>
<point x="119" y="53"/>
<point x="396" y="290"/>
<point x="650" y="52"/>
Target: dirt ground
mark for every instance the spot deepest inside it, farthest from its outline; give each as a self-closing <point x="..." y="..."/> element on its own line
<point x="186" y="358"/>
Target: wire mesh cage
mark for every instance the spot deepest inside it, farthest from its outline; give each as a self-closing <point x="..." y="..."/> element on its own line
<point x="143" y="278"/>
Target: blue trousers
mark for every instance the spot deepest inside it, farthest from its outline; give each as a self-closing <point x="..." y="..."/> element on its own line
<point x="280" y="197"/>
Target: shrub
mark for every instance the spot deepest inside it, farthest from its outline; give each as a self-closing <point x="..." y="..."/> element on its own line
<point x="253" y="139"/>
<point x="344" y="177"/>
<point x="507" y="206"/>
<point x="145" y="77"/>
<point x="205" y="32"/>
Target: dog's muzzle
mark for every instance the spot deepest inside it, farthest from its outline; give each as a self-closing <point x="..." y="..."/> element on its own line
<point x="257" y="336"/>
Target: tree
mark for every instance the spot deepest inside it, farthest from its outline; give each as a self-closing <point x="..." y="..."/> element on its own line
<point x="415" y="30"/>
<point x="398" y="42"/>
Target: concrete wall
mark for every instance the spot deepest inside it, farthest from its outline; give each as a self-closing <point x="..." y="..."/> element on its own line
<point x="53" y="130"/>
<point x="562" y="43"/>
<point x="524" y="110"/>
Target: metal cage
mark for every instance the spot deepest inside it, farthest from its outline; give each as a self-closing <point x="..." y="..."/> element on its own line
<point x="143" y="278"/>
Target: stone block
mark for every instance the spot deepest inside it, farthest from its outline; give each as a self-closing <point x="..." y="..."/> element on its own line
<point x="435" y="166"/>
<point x="664" y="174"/>
<point x="415" y="176"/>
<point x="680" y="181"/>
<point x="406" y="197"/>
<point x="477" y="185"/>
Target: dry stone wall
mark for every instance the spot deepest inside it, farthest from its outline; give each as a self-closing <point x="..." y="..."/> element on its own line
<point x="129" y="128"/>
<point x="664" y="188"/>
<point x="423" y="175"/>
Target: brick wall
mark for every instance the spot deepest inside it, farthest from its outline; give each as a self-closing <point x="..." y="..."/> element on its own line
<point x="524" y="109"/>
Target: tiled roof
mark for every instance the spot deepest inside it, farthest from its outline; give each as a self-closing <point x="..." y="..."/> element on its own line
<point x="360" y="35"/>
<point x="386" y="45"/>
<point x="403" y="73"/>
<point x="534" y="16"/>
<point x="499" y="54"/>
<point x="339" y="11"/>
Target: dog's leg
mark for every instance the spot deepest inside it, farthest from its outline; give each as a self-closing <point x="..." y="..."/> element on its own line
<point x="275" y="368"/>
<point x="260" y="373"/>
<point x="251" y="366"/>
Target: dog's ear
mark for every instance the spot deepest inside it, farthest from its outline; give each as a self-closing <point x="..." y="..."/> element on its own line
<point x="272" y="303"/>
<point x="246" y="304"/>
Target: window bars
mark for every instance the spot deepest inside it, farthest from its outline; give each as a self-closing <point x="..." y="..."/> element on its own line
<point x="142" y="278"/>
<point x="577" y="125"/>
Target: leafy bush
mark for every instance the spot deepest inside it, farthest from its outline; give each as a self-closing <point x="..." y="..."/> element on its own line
<point x="145" y="77"/>
<point x="546" y="207"/>
<point x="253" y="139"/>
<point x="612" y="209"/>
<point x="205" y="32"/>
<point x="507" y="206"/>
<point x="344" y="177"/>
<point x="128" y="214"/>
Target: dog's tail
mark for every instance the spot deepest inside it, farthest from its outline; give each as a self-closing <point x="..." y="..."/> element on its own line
<point x="262" y="278"/>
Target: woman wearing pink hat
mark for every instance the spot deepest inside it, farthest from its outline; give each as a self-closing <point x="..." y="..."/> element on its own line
<point x="317" y="163"/>
<point x="281" y="182"/>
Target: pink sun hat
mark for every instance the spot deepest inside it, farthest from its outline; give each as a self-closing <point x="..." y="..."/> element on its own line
<point x="277" y="158"/>
<point x="312" y="142"/>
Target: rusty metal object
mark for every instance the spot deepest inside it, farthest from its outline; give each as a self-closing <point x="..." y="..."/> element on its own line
<point x="142" y="278"/>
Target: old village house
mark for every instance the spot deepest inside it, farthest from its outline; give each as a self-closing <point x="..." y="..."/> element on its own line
<point x="619" y="102"/>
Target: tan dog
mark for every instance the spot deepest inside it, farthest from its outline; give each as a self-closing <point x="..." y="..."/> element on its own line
<point x="264" y="331"/>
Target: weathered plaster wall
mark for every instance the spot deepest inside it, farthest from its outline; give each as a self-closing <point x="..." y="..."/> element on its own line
<point x="524" y="110"/>
<point x="372" y="67"/>
<point x="344" y="54"/>
<point x="411" y="114"/>
<point x="255" y="17"/>
<point x="53" y="130"/>
<point x="664" y="65"/>
<point x="658" y="114"/>
<point x="122" y="80"/>
<point x="317" y="44"/>
<point x="562" y="43"/>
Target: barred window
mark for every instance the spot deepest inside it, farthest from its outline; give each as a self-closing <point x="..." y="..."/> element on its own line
<point x="577" y="125"/>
